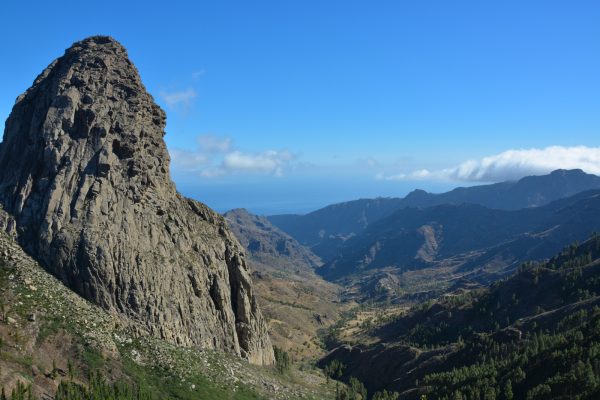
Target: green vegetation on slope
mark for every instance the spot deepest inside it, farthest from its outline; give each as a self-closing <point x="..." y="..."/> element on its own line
<point x="562" y="363"/>
<point x="548" y="355"/>
<point x="535" y="335"/>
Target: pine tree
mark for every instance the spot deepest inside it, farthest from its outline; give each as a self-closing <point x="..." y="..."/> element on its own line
<point x="385" y="395"/>
<point x="507" y="390"/>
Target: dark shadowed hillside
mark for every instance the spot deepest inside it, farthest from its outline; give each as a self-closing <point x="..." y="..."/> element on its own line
<point x="533" y="336"/>
<point x="336" y="220"/>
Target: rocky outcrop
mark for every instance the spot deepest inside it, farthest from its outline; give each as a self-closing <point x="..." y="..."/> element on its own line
<point x="84" y="173"/>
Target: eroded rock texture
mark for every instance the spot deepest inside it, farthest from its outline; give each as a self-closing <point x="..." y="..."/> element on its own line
<point x="84" y="171"/>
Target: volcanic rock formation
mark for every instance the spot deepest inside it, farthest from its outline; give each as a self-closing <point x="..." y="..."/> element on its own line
<point x="84" y="172"/>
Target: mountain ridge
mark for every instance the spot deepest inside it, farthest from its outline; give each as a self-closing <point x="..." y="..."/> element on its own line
<point x="400" y="239"/>
<point x="329" y="226"/>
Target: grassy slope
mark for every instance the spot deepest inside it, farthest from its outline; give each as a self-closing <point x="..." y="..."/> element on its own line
<point x="43" y="323"/>
<point x="296" y="309"/>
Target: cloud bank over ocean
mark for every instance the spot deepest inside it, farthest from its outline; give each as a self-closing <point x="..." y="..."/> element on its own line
<point x="510" y="165"/>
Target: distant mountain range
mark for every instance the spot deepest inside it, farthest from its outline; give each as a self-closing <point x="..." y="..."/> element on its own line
<point x="488" y="229"/>
<point x="413" y="238"/>
<point x="323" y="229"/>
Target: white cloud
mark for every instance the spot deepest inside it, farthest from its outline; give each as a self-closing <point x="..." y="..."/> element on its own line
<point x="217" y="156"/>
<point x="270" y="162"/>
<point x="214" y="144"/>
<point x="420" y="174"/>
<point x="179" y="98"/>
<point x="512" y="165"/>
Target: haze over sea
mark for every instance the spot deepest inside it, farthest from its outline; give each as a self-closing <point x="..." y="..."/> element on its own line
<point x="297" y="196"/>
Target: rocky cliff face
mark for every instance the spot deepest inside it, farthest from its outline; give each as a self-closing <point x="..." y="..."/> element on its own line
<point x="84" y="172"/>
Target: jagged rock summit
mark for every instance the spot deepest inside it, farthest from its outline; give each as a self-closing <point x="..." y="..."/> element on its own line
<point x="84" y="175"/>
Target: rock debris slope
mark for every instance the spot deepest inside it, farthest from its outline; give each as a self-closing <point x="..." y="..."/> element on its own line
<point x="84" y="173"/>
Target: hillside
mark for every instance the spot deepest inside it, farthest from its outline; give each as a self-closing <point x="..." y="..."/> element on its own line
<point x="531" y="336"/>
<point x="336" y="220"/>
<point x="269" y="246"/>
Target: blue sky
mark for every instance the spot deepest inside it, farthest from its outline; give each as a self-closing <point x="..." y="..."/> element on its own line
<point x="284" y="106"/>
